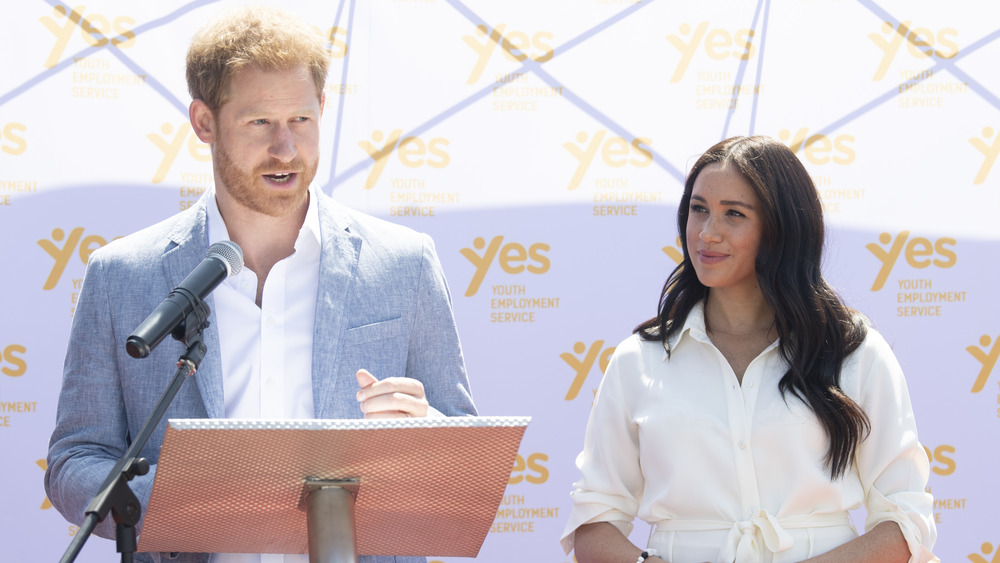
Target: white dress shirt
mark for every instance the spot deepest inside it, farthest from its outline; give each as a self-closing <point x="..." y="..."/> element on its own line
<point x="736" y="473"/>
<point x="267" y="350"/>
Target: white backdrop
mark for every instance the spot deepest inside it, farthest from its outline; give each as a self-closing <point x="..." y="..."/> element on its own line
<point x="543" y="144"/>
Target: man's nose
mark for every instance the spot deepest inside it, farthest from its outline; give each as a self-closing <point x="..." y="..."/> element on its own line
<point x="282" y="146"/>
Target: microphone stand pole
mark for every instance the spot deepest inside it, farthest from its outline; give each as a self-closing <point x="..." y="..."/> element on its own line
<point x="115" y="494"/>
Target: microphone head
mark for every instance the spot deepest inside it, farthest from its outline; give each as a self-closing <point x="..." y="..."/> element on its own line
<point x="230" y="253"/>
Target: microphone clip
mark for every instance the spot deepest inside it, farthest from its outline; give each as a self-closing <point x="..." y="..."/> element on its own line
<point x="194" y="322"/>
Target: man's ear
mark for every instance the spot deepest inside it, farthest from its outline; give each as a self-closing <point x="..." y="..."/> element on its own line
<point x="202" y="121"/>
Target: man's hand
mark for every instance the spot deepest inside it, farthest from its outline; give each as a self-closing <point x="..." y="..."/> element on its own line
<point x="393" y="397"/>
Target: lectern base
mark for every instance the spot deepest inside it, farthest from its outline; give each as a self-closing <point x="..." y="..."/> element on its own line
<point x="330" y="519"/>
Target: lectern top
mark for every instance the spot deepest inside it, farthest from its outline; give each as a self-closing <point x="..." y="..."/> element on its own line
<point x="343" y="424"/>
<point x="428" y="486"/>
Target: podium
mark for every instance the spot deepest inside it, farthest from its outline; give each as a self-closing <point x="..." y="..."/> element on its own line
<point x="403" y="486"/>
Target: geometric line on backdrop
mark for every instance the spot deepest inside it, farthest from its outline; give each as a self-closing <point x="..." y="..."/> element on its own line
<point x="156" y="85"/>
<point x="342" y="100"/>
<point x="742" y="70"/>
<point x="942" y="64"/>
<point x="760" y="69"/>
<point x="534" y="67"/>
<point x="528" y="66"/>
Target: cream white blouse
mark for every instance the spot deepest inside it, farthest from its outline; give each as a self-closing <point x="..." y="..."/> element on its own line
<point x="727" y="472"/>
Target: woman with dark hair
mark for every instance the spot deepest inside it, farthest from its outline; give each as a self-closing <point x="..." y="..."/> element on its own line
<point x="755" y="410"/>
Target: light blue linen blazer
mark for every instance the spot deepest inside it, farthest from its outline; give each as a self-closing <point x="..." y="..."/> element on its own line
<point x="383" y="304"/>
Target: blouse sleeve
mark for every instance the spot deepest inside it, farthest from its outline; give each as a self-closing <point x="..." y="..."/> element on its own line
<point x="892" y="464"/>
<point x="611" y="484"/>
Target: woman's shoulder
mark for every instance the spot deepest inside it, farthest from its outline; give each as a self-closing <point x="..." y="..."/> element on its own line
<point x="872" y="363"/>
<point x="635" y="354"/>
<point x="872" y="341"/>
<point x="636" y="344"/>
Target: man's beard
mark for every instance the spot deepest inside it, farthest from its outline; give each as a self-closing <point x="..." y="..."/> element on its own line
<point x="248" y="190"/>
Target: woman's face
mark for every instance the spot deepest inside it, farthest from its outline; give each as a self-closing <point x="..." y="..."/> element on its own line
<point x="724" y="228"/>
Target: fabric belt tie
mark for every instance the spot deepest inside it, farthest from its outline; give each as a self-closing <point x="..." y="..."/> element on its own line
<point x="747" y="539"/>
<point x="743" y="546"/>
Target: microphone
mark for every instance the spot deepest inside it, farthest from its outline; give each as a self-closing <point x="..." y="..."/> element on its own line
<point x="224" y="259"/>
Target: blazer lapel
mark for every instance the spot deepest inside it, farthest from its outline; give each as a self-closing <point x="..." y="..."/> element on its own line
<point x="190" y="246"/>
<point x="339" y="257"/>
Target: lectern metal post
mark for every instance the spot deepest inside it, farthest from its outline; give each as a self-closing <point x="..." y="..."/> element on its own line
<point x="330" y="520"/>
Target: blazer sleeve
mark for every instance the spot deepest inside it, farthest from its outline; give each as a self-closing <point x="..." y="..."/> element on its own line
<point x="91" y="431"/>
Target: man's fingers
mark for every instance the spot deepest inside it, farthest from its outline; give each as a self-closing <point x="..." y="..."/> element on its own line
<point x="393" y="397"/>
<point x="392" y="402"/>
<point x="365" y="380"/>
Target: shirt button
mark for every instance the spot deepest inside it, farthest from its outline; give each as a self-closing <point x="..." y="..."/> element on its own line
<point x="742" y="445"/>
<point x="272" y="322"/>
<point x="245" y="285"/>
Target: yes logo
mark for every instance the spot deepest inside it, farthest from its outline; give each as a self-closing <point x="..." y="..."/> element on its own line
<point x="532" y="463"/>
<point x="94" y="29"/>
<point x="987" y="359"/>
<point x="12" y="143"/>
<point x="514" y="45"/>
<point x="719" y="44"/>
<point x="411" y="151"/>
<point x="942" y="460"/>
<point x="820" y="149"/>
<point x="987" y="550"/>
<point x="676" y="252"/>
<point x="12" y="360"/>
<point x="87" y="246"/>
<point x="920" y="43"/>
<point x="198" y="150"/>
<point x="990" y="149"/>
<point x="616" y="152"/>
<point x="338" y="47"/>
<point x="583" y="367"/>
<point x="513" y="258"/>
<point x="919" y="253"/>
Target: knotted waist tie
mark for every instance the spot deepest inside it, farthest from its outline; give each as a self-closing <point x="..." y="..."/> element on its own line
<point x="743" y="542"/>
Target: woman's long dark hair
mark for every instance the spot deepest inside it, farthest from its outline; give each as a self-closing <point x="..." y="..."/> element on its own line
<point x="816" y="330"/>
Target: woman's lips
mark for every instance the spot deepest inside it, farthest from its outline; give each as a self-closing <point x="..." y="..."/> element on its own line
<point x="709" y="257"/>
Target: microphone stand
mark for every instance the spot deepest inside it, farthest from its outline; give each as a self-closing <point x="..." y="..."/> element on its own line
<point x="115" y="494"/>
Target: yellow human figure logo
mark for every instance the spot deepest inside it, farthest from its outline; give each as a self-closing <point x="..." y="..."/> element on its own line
<point x="987" y="359"/>
<point x="46" y="504"/>
<point x="674" y="252"/>
<point x="989" y="146"/>
<point x="583" y="366"/>
<point x="986" y="549"/>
